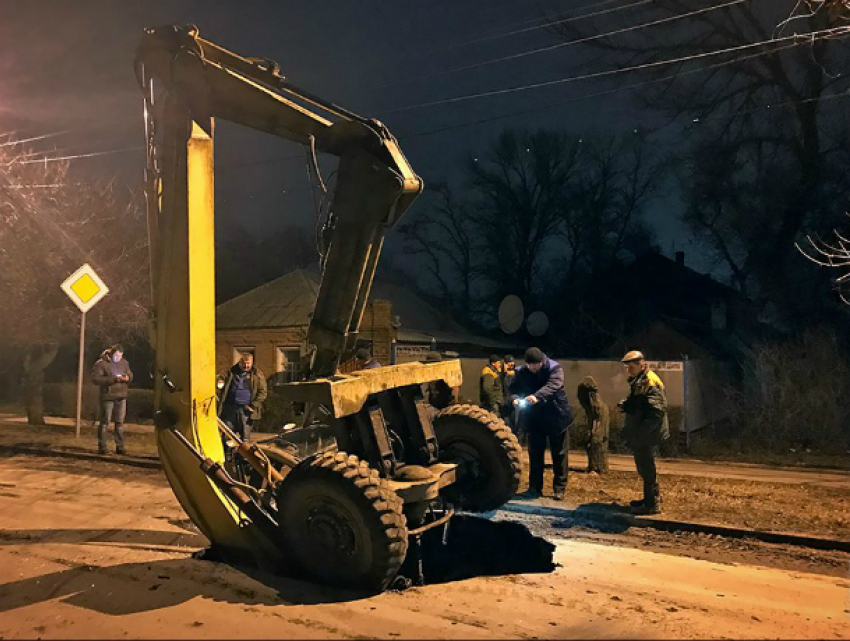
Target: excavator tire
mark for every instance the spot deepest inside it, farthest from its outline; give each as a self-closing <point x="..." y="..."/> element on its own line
<point x="341" y="523"/>
<point x="467" y="433"/>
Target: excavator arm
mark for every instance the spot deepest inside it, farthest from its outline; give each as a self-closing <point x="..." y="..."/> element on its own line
<point x="375" y="183"/>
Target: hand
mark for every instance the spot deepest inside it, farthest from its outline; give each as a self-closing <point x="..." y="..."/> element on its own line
<point x="249" y="409"/>
<point x="532" y="399"/>
<point x="622" y="405"/>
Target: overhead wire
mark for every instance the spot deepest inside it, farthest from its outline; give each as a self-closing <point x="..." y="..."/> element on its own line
<point x="598" y="36"/>
<point x="825" y="33"/>
<point x="550" y="21"/>
<point x="614" y="90"/>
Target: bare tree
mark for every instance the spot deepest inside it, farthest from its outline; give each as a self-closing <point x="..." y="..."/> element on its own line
<point x="760" y="130"/>
<point x="518" y="191"/>
<point x="52" y="222"/>
<point x="604" y="213"/>
<point x="836" y="254"/>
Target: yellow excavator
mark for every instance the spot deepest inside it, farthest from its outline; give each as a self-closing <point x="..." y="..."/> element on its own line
<point x="350" y="513"/>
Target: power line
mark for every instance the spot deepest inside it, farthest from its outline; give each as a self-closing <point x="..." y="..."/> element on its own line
<point x="802" y="38"/>
<point x="13" y="143"/>
<point x="598" y="36"/>
<point x="76" y="156"/>
<point x="636" y="85"/>
<point x="550" y="21"/>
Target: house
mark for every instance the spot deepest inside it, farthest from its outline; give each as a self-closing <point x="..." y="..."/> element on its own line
<point x="672" y="312"/>
<point x="271" y="322"/>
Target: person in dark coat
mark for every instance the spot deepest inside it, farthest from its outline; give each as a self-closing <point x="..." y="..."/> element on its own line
<point x="490" y="386"/>
<point x="112" y="374"/>
<point x="437" y="394"/>
<point x="598" y="424"/>
<point x="364" y="360"/>
<point x="508" y="408"/>
<point x="538" y="390"/>
<point x="645" y="428"/>
<point x="241" y="394"/>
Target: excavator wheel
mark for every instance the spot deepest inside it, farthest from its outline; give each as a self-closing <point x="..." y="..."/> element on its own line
<point x="341" y="523"/>
<point x="471" y="435"/>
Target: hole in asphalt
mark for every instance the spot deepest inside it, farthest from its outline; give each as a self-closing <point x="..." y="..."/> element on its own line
<point x="476" y="546"/>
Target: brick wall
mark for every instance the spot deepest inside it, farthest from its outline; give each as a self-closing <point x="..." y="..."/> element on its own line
<point x="265" y="343"/>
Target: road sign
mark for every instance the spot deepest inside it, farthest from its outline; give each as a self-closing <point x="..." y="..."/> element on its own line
<point x="85" y="288"/>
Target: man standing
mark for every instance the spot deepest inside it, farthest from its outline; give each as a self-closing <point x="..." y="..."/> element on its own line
<point x="538" y="391"/>
<point x="364" y="360"/>
<point x="241" y="396"/>
<point x="598" y="422"/>
<point x="645" y="427"/>
<point x="509" y="413"/>
<point x="490" y="386"/>
<point x="112" y="374"/>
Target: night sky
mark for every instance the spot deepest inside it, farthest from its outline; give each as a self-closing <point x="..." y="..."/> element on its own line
<point x="66" y="69"/>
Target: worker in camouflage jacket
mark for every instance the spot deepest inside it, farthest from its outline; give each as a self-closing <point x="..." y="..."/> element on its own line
<point x="645" y="427"/>
<point x="598" y="423"/>
<point x="491" y="393"/>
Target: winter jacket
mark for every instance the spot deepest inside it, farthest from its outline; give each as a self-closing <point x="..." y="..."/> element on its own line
<point x="646" y="411"/>
<point x="598" y="415"/>
<point x="105" y="375"/>
<point x="552" y="413"/>
<point x="491" y="393"/>
<point x="256" y="383"/>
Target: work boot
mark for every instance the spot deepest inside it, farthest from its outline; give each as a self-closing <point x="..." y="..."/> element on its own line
<point x="102" y="450"/>
<point x="651" y="503"/>
<point x="529" y="495"/>
<point x="646" y="508"/>
<point x="559" y="495"/>
<point x="120" y="451"/>
<point x="637" y="503"/>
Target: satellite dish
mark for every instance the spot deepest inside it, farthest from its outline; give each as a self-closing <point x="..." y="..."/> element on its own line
<point x="537" y="323"/>
<point x="511" y="313"/>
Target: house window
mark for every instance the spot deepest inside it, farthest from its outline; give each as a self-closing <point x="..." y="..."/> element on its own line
<point x="238" y="351"/>
<point x="287" y="364"/>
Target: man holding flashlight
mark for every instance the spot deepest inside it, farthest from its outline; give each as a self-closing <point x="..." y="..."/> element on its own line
<point x="538" y="392"/>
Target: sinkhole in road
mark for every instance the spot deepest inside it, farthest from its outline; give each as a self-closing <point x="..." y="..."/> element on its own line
<point x="476" y="546"/>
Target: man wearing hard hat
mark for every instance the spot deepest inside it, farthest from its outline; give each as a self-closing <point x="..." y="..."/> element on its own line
<point x="645" y="427"/>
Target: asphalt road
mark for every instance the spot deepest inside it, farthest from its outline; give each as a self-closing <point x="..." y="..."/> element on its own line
<point x="95" y="550"/>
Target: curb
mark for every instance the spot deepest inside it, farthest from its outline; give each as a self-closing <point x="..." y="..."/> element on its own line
<point x="23" y="450"/>
<point x="669" y="525"/>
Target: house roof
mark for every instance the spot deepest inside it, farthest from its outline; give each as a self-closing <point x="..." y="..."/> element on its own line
<point x="288" y="301"/>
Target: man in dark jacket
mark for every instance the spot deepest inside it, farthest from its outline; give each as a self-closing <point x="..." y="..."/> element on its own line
<point x="490" y="390"/>
<point x="112" y="374"/>
<point x="241" y="394"/>
<point x="645" y="427"/>
<point x="538" y="390"/>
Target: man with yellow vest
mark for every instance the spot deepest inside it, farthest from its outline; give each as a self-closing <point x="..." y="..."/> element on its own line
<point x="645" y="427"/>
<point x="491" y="393"/>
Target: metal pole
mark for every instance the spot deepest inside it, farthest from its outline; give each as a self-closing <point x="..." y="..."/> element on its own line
<point x="80" y="371"/>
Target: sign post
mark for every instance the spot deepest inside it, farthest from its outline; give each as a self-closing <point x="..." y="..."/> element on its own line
<point x="85" y="288"/>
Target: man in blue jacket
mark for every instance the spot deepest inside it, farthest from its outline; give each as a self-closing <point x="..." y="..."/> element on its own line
<point x="538" y="390"/>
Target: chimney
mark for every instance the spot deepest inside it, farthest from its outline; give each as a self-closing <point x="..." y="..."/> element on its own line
<point x="680" y="258"/>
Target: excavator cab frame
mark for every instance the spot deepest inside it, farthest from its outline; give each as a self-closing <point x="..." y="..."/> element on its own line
<point x="346" y="514"/>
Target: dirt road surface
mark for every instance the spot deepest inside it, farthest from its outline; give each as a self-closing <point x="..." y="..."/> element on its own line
<point x="90" y="549"/>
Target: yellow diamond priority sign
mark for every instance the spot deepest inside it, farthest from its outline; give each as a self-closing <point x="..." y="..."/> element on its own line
<point x="85" y="288"/>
